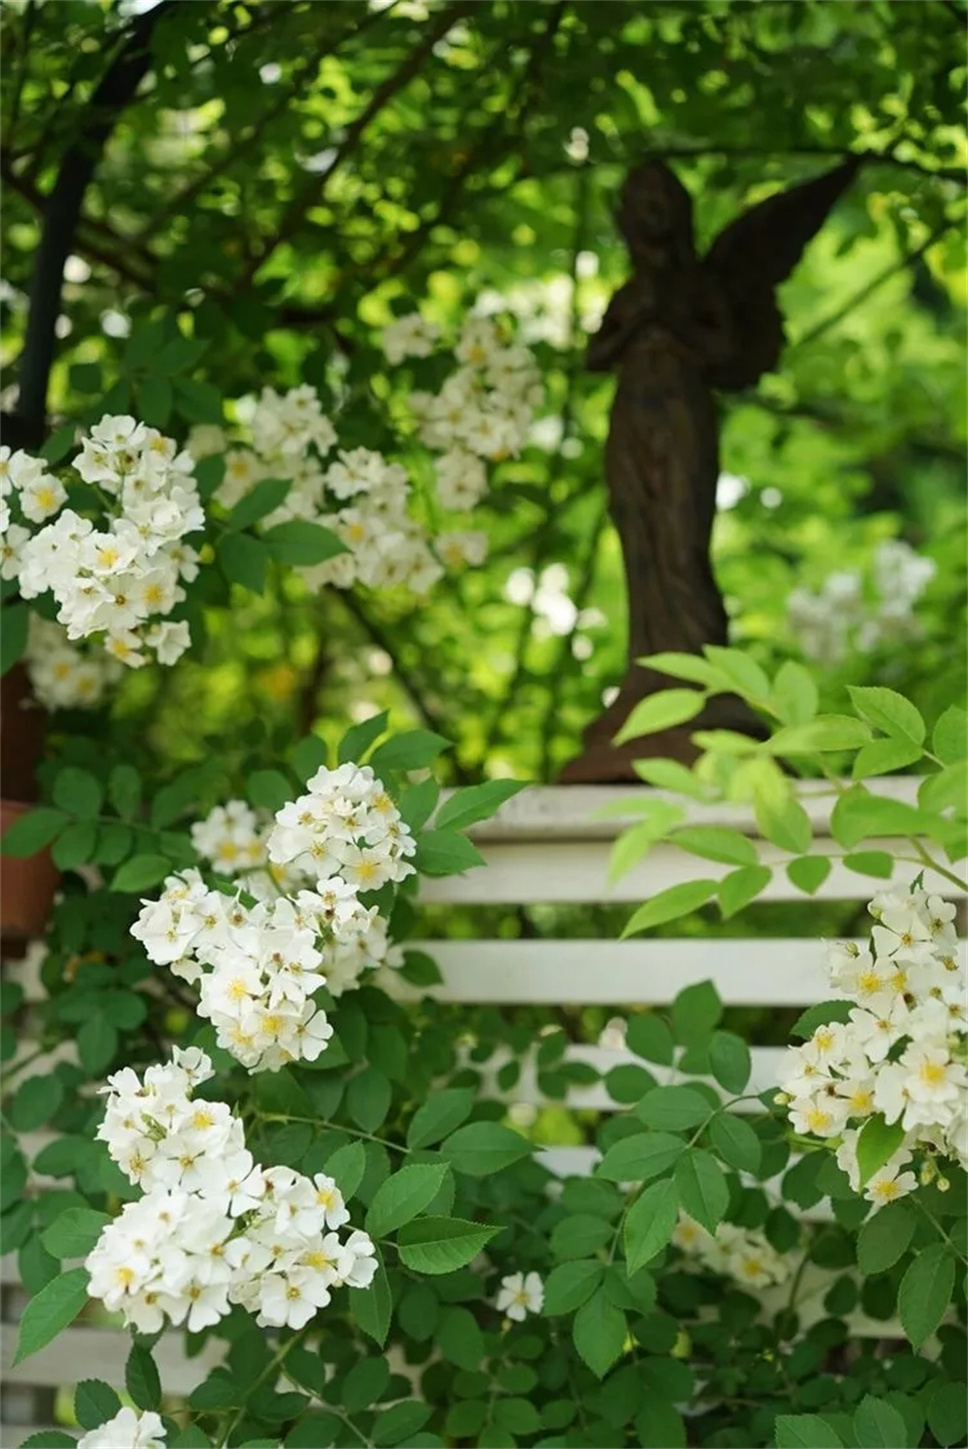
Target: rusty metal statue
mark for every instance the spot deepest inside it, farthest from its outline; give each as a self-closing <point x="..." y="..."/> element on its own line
<point x="680" y="328"/>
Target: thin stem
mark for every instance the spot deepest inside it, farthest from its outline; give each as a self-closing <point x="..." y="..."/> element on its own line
<point x="335" y="1126"/>
<point x="938" y="1228"/>
<point x="272" y="1367"/>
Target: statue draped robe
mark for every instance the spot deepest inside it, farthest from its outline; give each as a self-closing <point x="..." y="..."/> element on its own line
<point x="679" y="329"/>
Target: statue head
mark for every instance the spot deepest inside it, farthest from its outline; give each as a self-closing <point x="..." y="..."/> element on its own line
<point x="655" y="216"/>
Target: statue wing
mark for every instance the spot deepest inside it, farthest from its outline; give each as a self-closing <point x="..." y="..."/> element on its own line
<point x="752" y="256"/>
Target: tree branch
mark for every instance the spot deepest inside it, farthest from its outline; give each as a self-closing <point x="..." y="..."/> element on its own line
<point x="315" y="187"/>
<point x="62" y="213"/>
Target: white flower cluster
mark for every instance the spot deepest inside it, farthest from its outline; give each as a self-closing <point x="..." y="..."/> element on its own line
<point x="65" y="675"/>
<point x="127" y="1430"/>
<point x="483" y="413"/>
<point x="852" y="612"/>
<point x="743" y="1254"/>
<point x="118" y="581"/>
<point x="257" y="965"/>
<point x="519" y="1295"/>
<point x="901" y="1053"/>
<point x="214" y="1228"/>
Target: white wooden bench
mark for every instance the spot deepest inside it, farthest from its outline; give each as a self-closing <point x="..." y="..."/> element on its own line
<point x="547" y="846"/>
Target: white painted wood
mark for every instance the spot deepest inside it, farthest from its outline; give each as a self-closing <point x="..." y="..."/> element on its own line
<point x="101" y="1353"/>
<point x="575" y="872"/>
<point x="594" y="812"/>
<point x="764" y="972"/>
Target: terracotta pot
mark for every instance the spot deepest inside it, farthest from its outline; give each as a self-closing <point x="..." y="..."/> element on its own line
<point x="27" y="885"/>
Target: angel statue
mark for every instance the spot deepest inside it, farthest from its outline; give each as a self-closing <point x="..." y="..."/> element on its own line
<point x="680" y="328"/>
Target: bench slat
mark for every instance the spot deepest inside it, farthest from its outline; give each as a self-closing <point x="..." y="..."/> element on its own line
<point x="765" y="972"/>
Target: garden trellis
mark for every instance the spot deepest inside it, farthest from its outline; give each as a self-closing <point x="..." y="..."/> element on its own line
<point x="548" y="846"/>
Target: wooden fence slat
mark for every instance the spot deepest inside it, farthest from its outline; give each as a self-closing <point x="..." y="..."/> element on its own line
<point x="101" y="1353"/>
<point x="575" y="872"/>
<point x="765" y="972"/>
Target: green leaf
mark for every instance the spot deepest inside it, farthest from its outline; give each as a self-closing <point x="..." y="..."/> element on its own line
<point x="481" y="1148"/>
<point x="368" y="1099"/>
<point x="858" y="815"/>
<point x="365" y="1384"/>
<point x="880" y="757"/>
<point x="948" y="1413"/>
<point x="141" y="1378"/>
<point x="266" y="495"/>
<point x="808" y="873"/>
<point x="740" y="887"/>
<point x="401" y="1197"/>
<point x="741" y="672"/>
<point x="660" y="712"/>
<point x="716" y="842"/>
<point x="794" y="695"/>
<point x="268" y="790"/>
<point x="695" y="1012"/>
<point x="687" y="666"/>
<point x="805" y="1431"/>
<point x="199" y="402"/>
<point x="673" y="1109"/>
<point x="649" y="1223"/>
<point x="309" y="756"/>
<point x="877" y="1143"/>
<point x="442" y="1245"/>
<point x="599" y="1333"/>
<point x="783" y="822"/>
<point x="950" y="738"/>
<point x="648" y="1036"/>
<point x="53" y="1308"/>
<point x="141" y="872"/>
<point x="459" y="1338"/>
<point x="94" y="1403"/>
<point x="59" y="444"/>
<point x="579" y="1235"/>
<point x="418" y="802"/>
<point x="819" y="1015"/>
<point x="885" y="1237"/>
<point x="400" y="1423"/>
<point x="412" y="750"/>
<point x="871" y="862"/>
<point x="370" y="1308"/>
<point x="730" y="1061"/>
<point x="347" y="1167"/>
<point x="659" y="1425"/>
<point x="442" y="1113"/>
<point x="155" y="399"/>
<point x="828" y="733"/>
<point x="670" y="904"/>
<point x="31" y="832"/>
<point x="736" y="1142"/>
<point x="49" y="1439"/>
<point x="14" y="621"/>
<point x="701" y="1183"/>
<point x="475" y="802"/>
<point x="443" y="852"/>
<point x="97" y="1045"/>
<point x="244" y="560"/>
<point x="641" y="1156"/>
<point x="74" y="1233"/>
<point x="570" y="1285"/>
<point x="877" y="1424"/>
<point x="302" y="544"/>
<point x="359" y="738"/>
<point x="209" y="473"/>
<point x="77" y="792"/>
<point x="124" y="790"/>
<point x="888" y="711"/>
<point x="669" y="775"/>
<point x="36" y="1101"/>
<point x="75" y="845"/>
<point x="925" y="1292"/>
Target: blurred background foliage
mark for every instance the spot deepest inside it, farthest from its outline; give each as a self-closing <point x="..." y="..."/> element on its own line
<point x="290" y="176"/>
